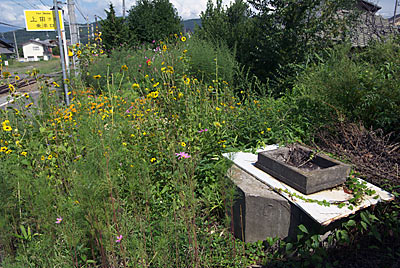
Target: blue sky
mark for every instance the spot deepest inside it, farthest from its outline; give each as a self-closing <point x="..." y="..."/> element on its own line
<point x="11" y="11"/>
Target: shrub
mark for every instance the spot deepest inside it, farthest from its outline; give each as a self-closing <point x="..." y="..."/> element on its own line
<point x="359" y="86"/>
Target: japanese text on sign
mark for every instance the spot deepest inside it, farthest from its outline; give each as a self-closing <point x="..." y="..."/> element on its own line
<point x="42" y="20"/>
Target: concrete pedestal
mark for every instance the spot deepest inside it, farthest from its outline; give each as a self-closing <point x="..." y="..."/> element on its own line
<point x="259" y="212"/>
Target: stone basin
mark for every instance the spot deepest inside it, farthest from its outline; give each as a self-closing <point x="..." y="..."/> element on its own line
<point x="315" y="172"/>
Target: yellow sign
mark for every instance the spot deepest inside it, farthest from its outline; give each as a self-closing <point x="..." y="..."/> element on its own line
<point x="42" y="20"/>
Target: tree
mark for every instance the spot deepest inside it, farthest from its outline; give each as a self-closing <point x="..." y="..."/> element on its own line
<point x="152" y="20"/>
<point x="114" y="30"/>
<point x="288" y="32"/>
<point x="233" y="26"/>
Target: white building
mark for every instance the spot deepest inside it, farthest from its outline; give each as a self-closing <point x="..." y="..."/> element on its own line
<point x="35" y="50"/>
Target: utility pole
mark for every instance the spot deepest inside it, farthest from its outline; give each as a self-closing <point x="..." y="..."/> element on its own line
<point x="395" y="11"/>
<point x="72" y="28"/>
<point x="123" y="9"/>
<point x="16" y="46"/>
<point x="72" y="22"/>
<point x="60" y="45"/>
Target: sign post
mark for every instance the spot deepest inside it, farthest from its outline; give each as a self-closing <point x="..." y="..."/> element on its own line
<point x="46" y="20"/>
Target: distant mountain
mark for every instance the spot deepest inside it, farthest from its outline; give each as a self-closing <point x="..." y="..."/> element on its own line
<point x="190" y="25"/>
<point x="23" y="36"/>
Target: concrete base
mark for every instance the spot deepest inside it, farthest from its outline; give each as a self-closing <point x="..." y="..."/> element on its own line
<point x="259" y="212"/>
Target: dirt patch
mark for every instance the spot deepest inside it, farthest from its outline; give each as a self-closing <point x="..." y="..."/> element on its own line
<point x="373" y="153"/>
<point x="299" y="158"/>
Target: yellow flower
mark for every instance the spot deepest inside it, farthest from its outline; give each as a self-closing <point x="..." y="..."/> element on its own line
<point x="55" y="84"/>
<point x="24" y="153"/>
<point x="183" y="39"/>
<point x="154" y="94"/>
<point x="11" y="87"/>
<point x="7" y="128"/>
<point x="164" y="47"/>
<point x="42" y="158"/>
<point x="50" y="157"/>
<point x="124" y="67"/>
<point x="218" y="109"/>
<point x="153" y="160"/>
<point x="144" y="133"/>
<point x="269" y="129"/>
<point x="135" y="85"/>
<point x="217" y="124"/>
<point x="66" y="81"/>
<point x="185" y="51"/>
<point x="9" y="151"/>
<point x="156" y="84"/>
<point x="124" y="144"/>
<point x="3" y="149"/>
<point x="29" y="105"/>
<point x="96" y="76"/>
<point x="16" y="77"/>
<point x="186" y="80"/>
<point x="79" y="52"/>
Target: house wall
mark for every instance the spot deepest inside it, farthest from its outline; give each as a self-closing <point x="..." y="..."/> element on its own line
<point x="33" y="52"/>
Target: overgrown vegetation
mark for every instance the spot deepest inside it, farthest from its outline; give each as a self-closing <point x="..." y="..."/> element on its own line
<point x="131" y="174"/>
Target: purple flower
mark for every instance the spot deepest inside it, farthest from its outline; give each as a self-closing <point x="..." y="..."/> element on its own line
<point x="129" y="110"/>
<point x="154" y="41"/>
<point x="119" y="238"/>
<point x="182" y="155"/>
<point x="203" y="130"/>
<point x="59" y="220"/>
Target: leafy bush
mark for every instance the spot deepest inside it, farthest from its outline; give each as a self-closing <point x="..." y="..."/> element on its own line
<point x="357" y="86"/>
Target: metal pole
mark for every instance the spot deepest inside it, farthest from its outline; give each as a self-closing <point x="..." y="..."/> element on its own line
<point x="66" y="57"/>
<point x="123" y="9"/>
<point x="16" y="46"/>
<point x="60" y="45"/>
<point x="395" y="11"/>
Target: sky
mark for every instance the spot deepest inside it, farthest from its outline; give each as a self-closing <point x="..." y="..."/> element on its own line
<point x="11" y="11"/>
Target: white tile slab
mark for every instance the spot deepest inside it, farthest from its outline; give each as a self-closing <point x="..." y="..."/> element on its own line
<point x="321" y="214"/>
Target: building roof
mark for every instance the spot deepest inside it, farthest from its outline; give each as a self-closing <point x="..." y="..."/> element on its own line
<point x="46" y="43"/>
<point x="368" y="6"/>
<point x="6" y="44"/>
<point x="4" y="50"/>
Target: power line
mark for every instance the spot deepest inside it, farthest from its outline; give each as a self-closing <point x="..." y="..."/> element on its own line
<point x="4" y="23"/>
<point x="32" y="5"/>
<point x="43" y="3"/>
<point x="78" y="6"/>
<point x="20" y="4"/>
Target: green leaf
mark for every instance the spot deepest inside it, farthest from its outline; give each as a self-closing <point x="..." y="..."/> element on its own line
<point x="303" y="228"/>
<point x="350" y="223"/>
<point x="23" y="231"/>
<point x="364" y="225"/>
